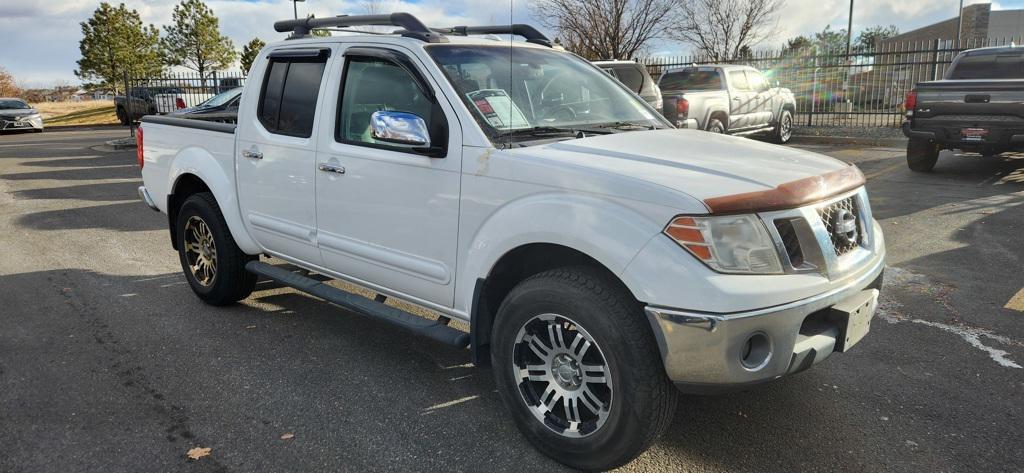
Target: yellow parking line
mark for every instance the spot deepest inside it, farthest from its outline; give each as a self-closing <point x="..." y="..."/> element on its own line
<point x="884" y="171"/>
<point x="1016" y="302"/>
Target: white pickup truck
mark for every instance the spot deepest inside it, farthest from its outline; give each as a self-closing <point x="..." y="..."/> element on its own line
<point x="601" y="258"/>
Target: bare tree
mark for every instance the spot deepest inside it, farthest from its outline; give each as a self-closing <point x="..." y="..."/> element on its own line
<point x="604" y="29"/>
<point x="722" y="29"/>
<point x="8" y="87"/>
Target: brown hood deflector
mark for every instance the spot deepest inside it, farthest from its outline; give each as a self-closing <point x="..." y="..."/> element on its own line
<point x="790" y="194"/>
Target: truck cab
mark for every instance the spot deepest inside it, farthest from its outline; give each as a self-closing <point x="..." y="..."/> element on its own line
<point x="602" y="260"/>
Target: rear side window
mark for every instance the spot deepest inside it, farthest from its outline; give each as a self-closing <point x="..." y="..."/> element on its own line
<point x="738" y="80"/>
<point x="692" y="79"/>
<point x="631" y="77"/>
<point x="989" y="66"/>
<point x="290" y="92"/>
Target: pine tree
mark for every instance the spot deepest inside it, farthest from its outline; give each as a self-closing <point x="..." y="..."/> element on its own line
<point x="194" y="40"/>
<point x="249" y="52"/>
<point x="115" y="41"/>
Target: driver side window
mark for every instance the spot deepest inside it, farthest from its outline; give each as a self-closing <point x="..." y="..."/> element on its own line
<point x="371" y="85"/>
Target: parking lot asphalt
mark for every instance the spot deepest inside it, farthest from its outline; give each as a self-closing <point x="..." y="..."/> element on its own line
<point x="109" y="363"/>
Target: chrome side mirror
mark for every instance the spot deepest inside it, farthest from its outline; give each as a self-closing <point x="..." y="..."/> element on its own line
<point x="400" y="128"/>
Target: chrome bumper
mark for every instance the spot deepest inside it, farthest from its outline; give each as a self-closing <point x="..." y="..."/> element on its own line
<point x="705" y="352"/>
<point x="145" y="197"/>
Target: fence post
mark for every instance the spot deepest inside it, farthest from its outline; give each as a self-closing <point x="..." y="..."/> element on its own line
<point x="128" y="106"/>
<point x="935" y="59"/>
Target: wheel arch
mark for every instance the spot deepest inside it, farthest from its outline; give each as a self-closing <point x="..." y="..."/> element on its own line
<point x="195" y="171"/>
<point x="513" y="267"/>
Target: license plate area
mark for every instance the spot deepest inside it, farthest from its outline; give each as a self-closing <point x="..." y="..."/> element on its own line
<point x="973" y="134"/>
<point x="853" y="318"/>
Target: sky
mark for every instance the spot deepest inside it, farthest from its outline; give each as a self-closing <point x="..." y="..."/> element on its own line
<point x="39" y="38"/>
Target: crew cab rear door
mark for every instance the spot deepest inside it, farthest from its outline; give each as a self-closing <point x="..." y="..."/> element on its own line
<point x="741" y="99"/>
<point x="276" y="152"/>
<point x="388" y="214"/>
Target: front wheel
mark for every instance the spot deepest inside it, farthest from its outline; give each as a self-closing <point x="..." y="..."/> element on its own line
<point x="784" y="129"/>
<point x="578" y="367"/>
<point x="213" y="264"/>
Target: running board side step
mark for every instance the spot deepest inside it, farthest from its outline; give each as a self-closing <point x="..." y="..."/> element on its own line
<point x="434" y="330"/>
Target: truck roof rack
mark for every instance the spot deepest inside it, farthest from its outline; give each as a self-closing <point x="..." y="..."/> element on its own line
<point x="531" y="34"/>
<point x="411" y="26"/>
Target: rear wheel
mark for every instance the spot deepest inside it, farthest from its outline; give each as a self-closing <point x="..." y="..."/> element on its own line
<point x="213" y="264"/>
<point x="122" y="116"/>
<point x="578" y="367"/>
<point x="922" y="154"/>
<point x="715" y="126"/>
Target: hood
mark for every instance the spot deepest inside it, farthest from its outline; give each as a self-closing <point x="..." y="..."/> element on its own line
<point x="700" y="164"/>
<point x="18" y="112"/>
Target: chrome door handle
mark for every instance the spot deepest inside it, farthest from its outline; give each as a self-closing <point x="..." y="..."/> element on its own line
<point x="332" y="168"/>
<point x="252" y="154"/>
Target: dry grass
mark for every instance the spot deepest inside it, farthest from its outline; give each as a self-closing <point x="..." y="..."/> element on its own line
<point x="90" y="112"/>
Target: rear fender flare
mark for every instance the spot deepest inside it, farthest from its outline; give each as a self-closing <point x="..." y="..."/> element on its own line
<point x="200" y="163"/>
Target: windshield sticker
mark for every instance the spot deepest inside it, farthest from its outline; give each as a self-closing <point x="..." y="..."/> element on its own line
<point x="498" y="109"/>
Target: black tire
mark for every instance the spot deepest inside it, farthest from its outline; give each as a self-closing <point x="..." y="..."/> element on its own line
<point x="230" y="282"/>
<point x="784" y="128"/>
<point x="922" y="155"/>
<point x="642" y="399"/>
<point x="122" y="116"/>
<point x="715" y="126"/>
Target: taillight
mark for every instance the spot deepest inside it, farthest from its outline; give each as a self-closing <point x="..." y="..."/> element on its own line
<point x="911" y="102"/>
<point x="138" y="147"/>
<point x="179" y="102"/>
<point x="683" y="107"/>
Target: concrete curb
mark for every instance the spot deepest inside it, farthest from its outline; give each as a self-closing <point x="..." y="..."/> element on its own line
<point x="122" y="143"/>
<point x="885" y="142"/>
<point x="83" y="127"/>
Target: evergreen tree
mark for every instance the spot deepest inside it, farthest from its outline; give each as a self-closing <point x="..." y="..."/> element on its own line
<point x="115" y="41"/>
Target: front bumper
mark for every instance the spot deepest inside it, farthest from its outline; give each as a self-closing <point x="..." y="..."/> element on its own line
<point x="705" y="352"/>
<point x="10" y="124"/>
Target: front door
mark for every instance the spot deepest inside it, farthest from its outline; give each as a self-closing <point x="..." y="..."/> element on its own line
<point x="388" y="214"/>
<point x="276" y="165"/>
<point x="761" y="111"/>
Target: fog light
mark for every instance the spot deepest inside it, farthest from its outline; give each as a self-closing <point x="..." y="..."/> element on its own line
<point x="756" y="352"/>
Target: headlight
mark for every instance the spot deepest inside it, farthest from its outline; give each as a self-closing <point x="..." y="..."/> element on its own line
<point x="728" y="243"/>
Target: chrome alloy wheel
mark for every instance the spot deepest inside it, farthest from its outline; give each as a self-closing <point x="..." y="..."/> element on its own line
<point x="562" y="374"/>
<point x="200" y="251"/>
<point x="786" y="127"/>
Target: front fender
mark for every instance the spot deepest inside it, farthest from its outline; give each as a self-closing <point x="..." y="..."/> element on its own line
<point x="603" y="228"/>
<point x="211" y="170"/>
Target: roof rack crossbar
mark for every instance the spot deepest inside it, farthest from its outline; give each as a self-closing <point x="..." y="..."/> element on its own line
<point x="531" y="34"/>
<point x="412" y="26"/>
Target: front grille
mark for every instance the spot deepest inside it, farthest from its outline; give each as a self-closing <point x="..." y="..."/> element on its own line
<point x="830" y="216"/>
<point x="790" y="241"/>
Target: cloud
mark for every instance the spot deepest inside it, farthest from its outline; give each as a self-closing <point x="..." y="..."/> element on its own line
<point x="40" y="37"/>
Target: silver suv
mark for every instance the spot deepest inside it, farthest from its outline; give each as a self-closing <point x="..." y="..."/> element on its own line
<point x="635" y="77"/>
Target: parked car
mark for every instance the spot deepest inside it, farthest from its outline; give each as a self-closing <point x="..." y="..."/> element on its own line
<point x="725" y="98"/>
<point x="599" y="256"/>
<point x="154" y="100"/>
<point x="222" y="107"/>
<point x="15" y="114"/>
<point x="636" y="78"/>
<point x="978" y="107"/>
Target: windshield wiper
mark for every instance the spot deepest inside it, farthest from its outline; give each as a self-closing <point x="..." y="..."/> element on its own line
<point x="623" y="125"/>
<point x="579" y="132"/>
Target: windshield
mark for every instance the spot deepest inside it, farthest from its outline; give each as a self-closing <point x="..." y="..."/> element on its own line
<point x="517" y="92"/>
<point x="222" y="98"/>
<point x="989" y="66"/>
<point x="692" y="79"/>
<point x="13" y="105"/>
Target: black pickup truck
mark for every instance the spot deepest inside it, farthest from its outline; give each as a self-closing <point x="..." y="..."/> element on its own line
<point x="977" y="107"/>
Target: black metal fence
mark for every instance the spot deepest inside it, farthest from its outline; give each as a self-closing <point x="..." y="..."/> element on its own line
<point x="171" y="92"/>
<point x="832" y="88"/>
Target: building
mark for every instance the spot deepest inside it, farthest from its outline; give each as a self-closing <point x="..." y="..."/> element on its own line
<point x="980" y="25"/>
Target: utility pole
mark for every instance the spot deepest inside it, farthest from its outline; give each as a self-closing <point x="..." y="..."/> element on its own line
<point x="959" y="23"/>
<point x="849" y="29"/>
